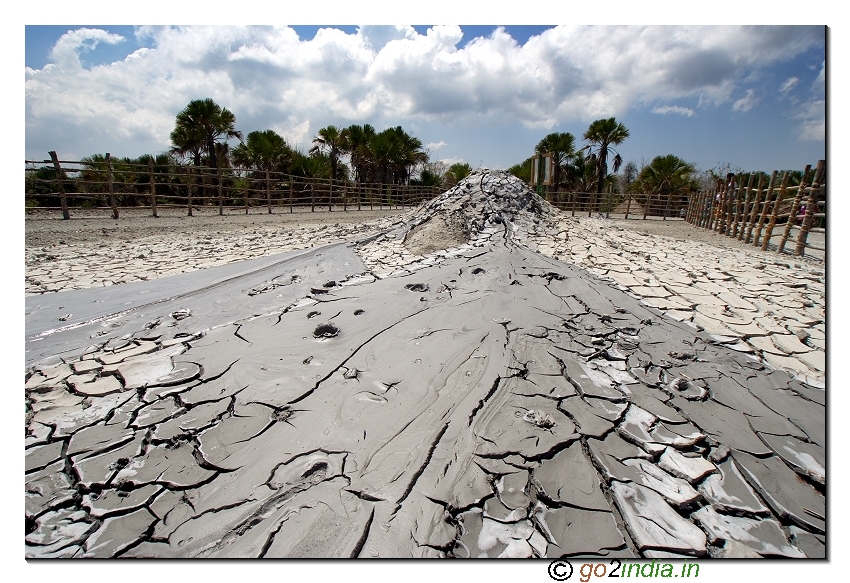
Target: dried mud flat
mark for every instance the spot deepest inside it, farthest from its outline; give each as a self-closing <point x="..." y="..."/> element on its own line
<point x="549" y="387"/>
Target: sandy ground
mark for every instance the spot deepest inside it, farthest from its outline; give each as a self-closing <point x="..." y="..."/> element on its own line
<point x="554" y="386"/>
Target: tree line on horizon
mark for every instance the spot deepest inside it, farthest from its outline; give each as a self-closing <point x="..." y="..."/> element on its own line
<point x="585" y="169"/>
<point x="360" y="154"/>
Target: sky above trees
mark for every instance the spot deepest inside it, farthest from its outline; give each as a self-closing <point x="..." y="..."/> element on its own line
<point x="486" y="95"/>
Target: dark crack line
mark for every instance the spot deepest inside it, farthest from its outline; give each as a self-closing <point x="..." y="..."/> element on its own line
<point x="239" y="336"/>
<point x="483" y="401"/>
<point x="355" y="553"/>
<point x="350" y="356"/>
<point x="425" y="463"/>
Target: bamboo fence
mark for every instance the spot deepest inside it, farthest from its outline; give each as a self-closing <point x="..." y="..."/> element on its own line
<point x="752" y="214"/>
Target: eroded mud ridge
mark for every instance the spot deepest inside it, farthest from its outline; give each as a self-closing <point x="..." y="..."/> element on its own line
<point x="488" y="401"/>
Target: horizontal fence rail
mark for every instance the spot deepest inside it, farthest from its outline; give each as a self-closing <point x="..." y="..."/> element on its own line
<point x="756" y="212"/>
<point x="629" y="205"/>
<point x="116" y="184"/>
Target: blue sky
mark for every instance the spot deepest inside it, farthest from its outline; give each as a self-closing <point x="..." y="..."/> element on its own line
<point x="751" y="97"/>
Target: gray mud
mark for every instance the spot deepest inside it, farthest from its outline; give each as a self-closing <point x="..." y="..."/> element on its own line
<point x="484" y="401"/>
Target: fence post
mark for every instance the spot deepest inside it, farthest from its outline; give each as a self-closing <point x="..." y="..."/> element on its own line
<point x="110" y="186"/>
<point x="646" y="208"/>
<point x="666" y="208"/>
<point x="780" y="195"/>
<point x="312" y="198"/>
<point x="731" y="193"/>
<point x="755" y="213"/>
<point x="189" y="197"/>
<point x="291" y="192"/>
<point x="330" y="195"/>
<point x="742" y="215"/>
<point x="153" y="186"/>
<point x="794" y="206"/>
<point x="765" y="210"/>
<point x="720" y="219"/>
<point x="268" y="191"/>
<point x="63" y="201"/>
<point x="246" y="192"/>
<point x="811" y="204"/>
<point x="345" y="197"/>
<point x="220" y="192"/>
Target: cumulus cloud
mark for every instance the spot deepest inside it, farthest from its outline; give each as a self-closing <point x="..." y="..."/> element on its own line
<point x="66" y="52"/>
<point x="813" y="125"/>
<point x="747" y="102"/>
<point x="389" y="75"/>
<point x="666" y="109"/>
<point x="436" y="145"/>
<point x="789" y="84"/>
<point x="812" y="112"/>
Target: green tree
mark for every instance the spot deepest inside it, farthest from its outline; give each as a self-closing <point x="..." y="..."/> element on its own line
<point x="522" y="170"/>
<point x="199" y="126"/>
<point x="562" y="148"/>
<point x="602" y="135"/>
<point x="668" y="175"/>
<point x="357" y="146"/>
<point x="265" y="150"/>
<point x="427" y="178"/>
<point x="332" y="141"/>
<point x="458" y="171"/>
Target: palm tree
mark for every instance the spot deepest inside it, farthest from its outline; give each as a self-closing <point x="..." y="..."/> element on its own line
<point x="199" y="126"/>
<point x="357" y="146"/>
<point x="330" y="140"/>
<point x="265" y="150"/>
<point x="562" y="148"/>
<point x="668" y="176"/>
<point x="602" y="134"/>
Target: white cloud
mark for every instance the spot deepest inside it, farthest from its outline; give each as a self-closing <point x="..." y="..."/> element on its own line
<point x="385" y="76"/>
<point x="789" y="84"/>
<point x="813" y="125"/>
<point x="747" y="102"/>
<point x="666" y="109"/>
<point x="812" y="112"/>
<point x="436" y="145"/>
<point x="66" y="51"/>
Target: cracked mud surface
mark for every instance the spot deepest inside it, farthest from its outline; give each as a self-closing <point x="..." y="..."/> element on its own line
<point x="360" y="400"/>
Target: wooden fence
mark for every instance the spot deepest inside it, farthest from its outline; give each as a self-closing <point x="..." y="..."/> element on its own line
<point x="629" y="205"/>
<point x="117" y="184"/>
<point x="751" y="213"/>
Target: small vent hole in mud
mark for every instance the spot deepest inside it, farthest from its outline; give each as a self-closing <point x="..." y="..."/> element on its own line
<point x="330" y="283"/>
<point x="281" y="415"/>
<point x="417" y="287"/>
<point x="317" y="471"/>
<point x="477" y="270"/>
<point x="358" y="312"/>
<point x="325" y="331"/>
<point x="313" y="315"/>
